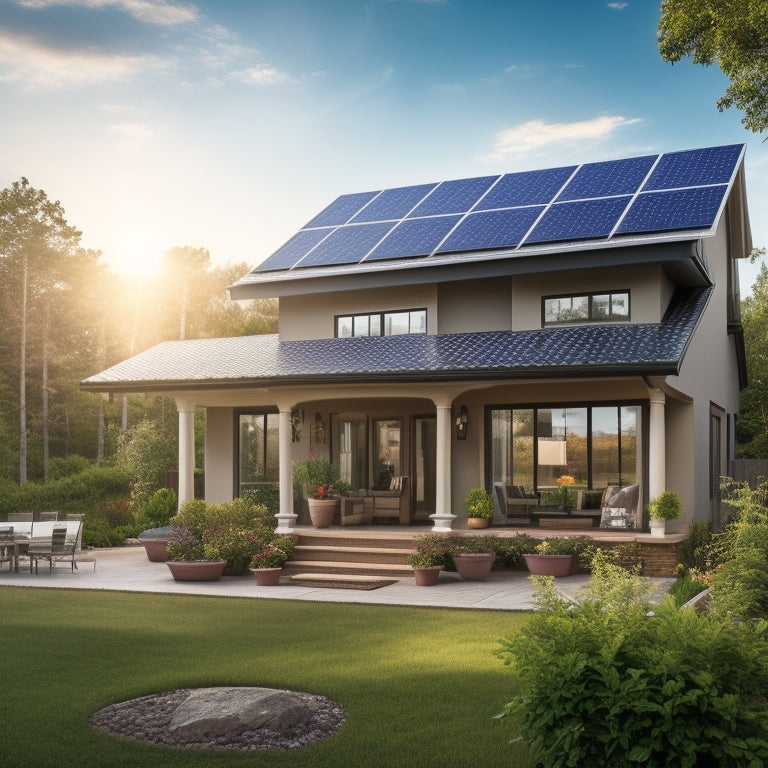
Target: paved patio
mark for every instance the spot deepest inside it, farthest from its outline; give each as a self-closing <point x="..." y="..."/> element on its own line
<point x="126" y="569"/>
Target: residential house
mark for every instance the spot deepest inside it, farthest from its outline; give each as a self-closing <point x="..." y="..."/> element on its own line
<point x="512" y="328"/>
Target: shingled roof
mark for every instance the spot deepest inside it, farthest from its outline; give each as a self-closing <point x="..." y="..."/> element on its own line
<point x="570" y="351"/>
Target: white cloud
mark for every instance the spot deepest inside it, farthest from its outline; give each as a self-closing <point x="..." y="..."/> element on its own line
<point x="618" y="6"/>
<point x="134" y="131"/>
<point x="261" y="75"/>
<point x="536" y="134"/>
<point x="29" y="62"/>
<point x="160" y="12"/>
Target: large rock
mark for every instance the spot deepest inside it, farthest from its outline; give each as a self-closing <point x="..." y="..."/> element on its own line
<point x="210" y="713"/>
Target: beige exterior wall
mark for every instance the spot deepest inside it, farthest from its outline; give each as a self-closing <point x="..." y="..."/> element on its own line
<point x="477" y="305"/>
<point x="312" y="317"/>
<point x="219" y="455"/>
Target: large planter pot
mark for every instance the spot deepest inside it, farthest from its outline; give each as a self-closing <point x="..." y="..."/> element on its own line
<point x="321" y="511"/>
<point x="658" y="527"/>
<point x="155" y="549"/>
<point x="267" y="577"/>
<point x="196" y="570"/>
<point x="478" y="522"/>
<point x="427" y="577"/>
<point x="474" y="566"/>
<point x="549" y="565"/>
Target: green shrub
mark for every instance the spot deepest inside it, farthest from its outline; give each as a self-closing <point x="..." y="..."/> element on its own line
<point x="232" y="543"/>
<point x="612" y="683"/>
<point x="510" y="551"/>
<point x="158" y="511"/>
<point x="685" y="589"/>
<point x="740" y="585"/>
<point x="59" y="467"/>
<point x="666" y="506"/>
<point x="695" y="550"/>
<point x="478" y="503"/>
<point x="267" y="495"/>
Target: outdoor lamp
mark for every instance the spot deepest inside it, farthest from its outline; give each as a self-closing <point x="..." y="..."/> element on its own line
<point x="461" y="423"/>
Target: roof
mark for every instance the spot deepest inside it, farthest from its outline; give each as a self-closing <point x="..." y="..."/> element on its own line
<point x="567" y="351"/>
<point x="655" y="198"/>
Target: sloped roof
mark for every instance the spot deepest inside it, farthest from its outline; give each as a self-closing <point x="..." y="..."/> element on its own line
<point x="569" y="351"/>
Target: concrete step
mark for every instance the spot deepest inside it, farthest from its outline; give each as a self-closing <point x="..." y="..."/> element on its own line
<point x="350" y="554"/>
<point x="363" y="540"/>
<point x="351" y="568"/>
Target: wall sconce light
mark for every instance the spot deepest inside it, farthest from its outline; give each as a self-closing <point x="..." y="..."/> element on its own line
<point x="462" y="420"/>
<point x="297" y="421"/>
<point x="319" y="428"/>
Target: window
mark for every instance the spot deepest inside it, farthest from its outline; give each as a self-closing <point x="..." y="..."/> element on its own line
<point x="601" y="307"/>
<point x="382" y="323"/>
<point x="258" y="451"/>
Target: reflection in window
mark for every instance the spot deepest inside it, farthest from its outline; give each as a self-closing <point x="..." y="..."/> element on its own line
<point x="258" y="450"/>
<point x="350" y="454"/>
<point x="382" y="323"/>
<point x="588" y="307"/>
<point x="386" y="436"/>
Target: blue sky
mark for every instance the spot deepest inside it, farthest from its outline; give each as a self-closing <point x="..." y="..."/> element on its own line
<point x="228" y="124"/>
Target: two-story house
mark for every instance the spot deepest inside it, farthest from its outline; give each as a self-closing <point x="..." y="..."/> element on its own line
<point x="512" y="328"/>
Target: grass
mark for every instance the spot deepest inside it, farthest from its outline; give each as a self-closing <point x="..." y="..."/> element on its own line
<point x="420" y="686"/>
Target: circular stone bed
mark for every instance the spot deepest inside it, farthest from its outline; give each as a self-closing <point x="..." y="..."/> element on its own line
<point x="223" y="718"/>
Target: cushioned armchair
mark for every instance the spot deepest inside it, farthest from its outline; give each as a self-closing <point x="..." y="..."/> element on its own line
<point x="394" y="502"/>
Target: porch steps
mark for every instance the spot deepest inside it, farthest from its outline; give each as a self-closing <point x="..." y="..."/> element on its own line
<point x="380" y="555"/>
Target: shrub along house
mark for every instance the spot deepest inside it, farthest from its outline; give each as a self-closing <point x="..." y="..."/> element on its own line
<point x="511" y="329"/>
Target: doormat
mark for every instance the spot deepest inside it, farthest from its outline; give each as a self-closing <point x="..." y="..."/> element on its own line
<point x="340" y="581"/>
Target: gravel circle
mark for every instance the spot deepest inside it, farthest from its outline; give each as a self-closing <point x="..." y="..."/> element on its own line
<point x="147" y="718"/>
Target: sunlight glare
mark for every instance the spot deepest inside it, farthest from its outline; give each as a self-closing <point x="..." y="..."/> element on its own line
<point x="140" y="251"/>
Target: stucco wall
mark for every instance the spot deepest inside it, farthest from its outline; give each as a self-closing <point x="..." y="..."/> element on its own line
<point x="477" y="305"/>
<point x="219" y="455"/>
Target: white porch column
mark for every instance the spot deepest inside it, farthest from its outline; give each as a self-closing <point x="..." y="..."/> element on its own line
<point x="186" y="410"/>
<point x="657" y="459"/>
<point x="286" y="519"/>
<point x="443" y="516"/>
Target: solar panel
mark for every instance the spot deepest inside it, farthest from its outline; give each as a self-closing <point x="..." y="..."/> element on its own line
<point x="615" y="177"/>
<point x="526" y="188"/>
<point x="582" y="220"/>
<point x="673" y="210"/>
<point x="646" y="194"/>
<point x="695" y="167"/>
<point x="393" y="203"/>
<point x="286" y="256"/>
<point x="347" y="245"/>
<point x="414" y="237"/>
<point x="454" y="196"/>
<point x="341" y="210"/>
<point x="491" y="229"/>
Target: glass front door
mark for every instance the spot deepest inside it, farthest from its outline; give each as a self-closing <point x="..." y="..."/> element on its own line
<point x="424" y="456"/>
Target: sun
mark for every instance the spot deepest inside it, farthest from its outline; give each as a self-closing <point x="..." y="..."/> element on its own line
<point x="139" y="252"/>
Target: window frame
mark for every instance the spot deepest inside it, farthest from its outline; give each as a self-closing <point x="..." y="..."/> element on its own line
<point x="381" y="315"/>
<point x="589" y="295"/>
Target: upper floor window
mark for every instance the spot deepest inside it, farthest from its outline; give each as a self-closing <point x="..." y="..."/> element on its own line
<point x="599" y="307"/>
<point x="382" y="323"/>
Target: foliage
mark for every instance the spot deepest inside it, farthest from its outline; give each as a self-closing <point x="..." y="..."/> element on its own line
<point x="431" y="549"/>
<point x="694" y="551"/>
<point x="274" y="554"/>
<point x="267" y="495"/>
<point x="613" y="683"/>
<point x="564" y="545"/>
<point x="478" y="503"/>
<point x="666" y="506"/>
<point x="626" y="556"/>
<point x="685" y="589"/>
<point x="60" y="467"/>
<point x="730" y="33"/>
<point x="510" y="550"/>
<point x="740" y="586"/>
<point x="145" y="454"/>
<point x="313" y="473"/>
<point x="185" y="546"/>
<point x="158" y="511"/>
<point x="232" y="543"/>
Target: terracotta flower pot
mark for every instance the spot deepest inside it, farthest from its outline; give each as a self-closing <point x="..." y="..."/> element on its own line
<point x="155" y="549"/>
<point x="196" y="570"/>
<point x="549" y="565"/>
<point x="474" y="566"/>
<point x="478" y="522"/>
<point x="321" y="511"/>
<point x="427" y="577"/>
<point x="267" y="577"/>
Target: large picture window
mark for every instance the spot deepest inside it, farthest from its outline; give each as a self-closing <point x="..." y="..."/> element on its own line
<point x="531" y="447"/>
<point x="394" y="323"/>
<point x="258" y="450"/>
<point x="601" y="307"/>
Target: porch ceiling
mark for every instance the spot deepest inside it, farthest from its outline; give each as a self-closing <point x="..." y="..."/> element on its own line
<point x="563" y="352"/>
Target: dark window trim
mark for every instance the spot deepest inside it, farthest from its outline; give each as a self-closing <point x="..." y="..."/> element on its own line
<point x="237" y="413"/>
<point x="589" y="296"/>
<point x="381" y="315"/>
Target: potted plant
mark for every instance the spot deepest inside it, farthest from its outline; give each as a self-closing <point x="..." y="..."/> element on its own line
<point x="431" y="554"/>
<point x="318" y="475"/>
<point x="473" y="558"/>
<point x="267" y="565"/>
<point x="478" y="504"/>
<point x="666" y="506"/>
<point x="556" y="556"/>
<point x="190" y="560"/>
<point x="155" y="541"/>
<point x="564" y="500"/>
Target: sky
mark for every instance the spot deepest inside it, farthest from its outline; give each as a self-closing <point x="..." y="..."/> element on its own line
<point x="228" y="124"/>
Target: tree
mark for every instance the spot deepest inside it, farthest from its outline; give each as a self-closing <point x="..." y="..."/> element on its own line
<point x="731" y="33"/>
<point x="34" y="238"/>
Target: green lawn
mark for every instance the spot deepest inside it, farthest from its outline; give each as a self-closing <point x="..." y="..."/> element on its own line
<point x="420" y="686"/>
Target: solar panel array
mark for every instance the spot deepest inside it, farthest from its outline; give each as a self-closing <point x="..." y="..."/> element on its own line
<point x="668" y="192"/>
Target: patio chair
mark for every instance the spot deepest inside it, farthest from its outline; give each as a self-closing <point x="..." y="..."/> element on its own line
<point x="49" y="515"/>
<point x="77" y="516"/>
<point x="515" y="510"/>
<point x="7" y="546"/>
<point x="20" y="517"/>
<point x="57" y="550"/>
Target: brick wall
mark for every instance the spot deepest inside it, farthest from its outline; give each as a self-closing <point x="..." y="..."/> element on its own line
<point x="659" y="559"/>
